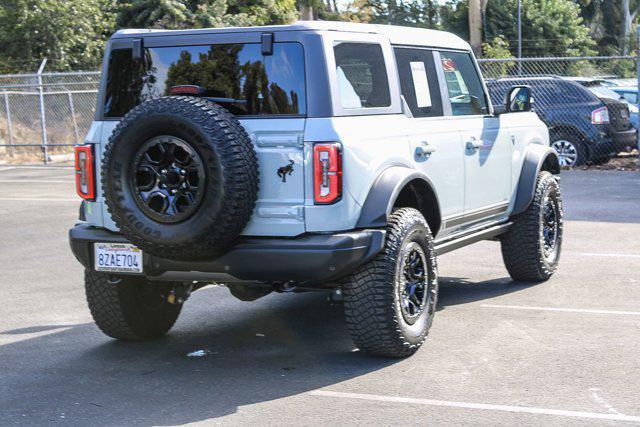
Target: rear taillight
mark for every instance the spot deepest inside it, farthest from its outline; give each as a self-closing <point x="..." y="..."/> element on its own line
<point x="85" y="179"/>
<point x="327" y="172"/>
<point x="600" y="116"/>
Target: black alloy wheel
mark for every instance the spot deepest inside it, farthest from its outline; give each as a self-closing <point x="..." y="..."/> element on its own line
<point x="414" y="291"/>
<point x="169" y="179"/>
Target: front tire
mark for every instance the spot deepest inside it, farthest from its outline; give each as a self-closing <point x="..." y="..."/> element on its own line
<point x="129" y="308"/>
<point x="390" y="301"/>
<point x="531" y="247"/>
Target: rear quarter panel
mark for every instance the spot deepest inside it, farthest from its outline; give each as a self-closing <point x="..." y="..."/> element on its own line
<point x="370" y="144"/>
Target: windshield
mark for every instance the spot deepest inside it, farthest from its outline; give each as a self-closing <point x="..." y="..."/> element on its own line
<point x="237" y="76"/>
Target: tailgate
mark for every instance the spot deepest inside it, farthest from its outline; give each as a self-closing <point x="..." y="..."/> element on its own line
<point x="280" y="207"/>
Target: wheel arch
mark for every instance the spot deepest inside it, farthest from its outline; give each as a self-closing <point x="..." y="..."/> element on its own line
<point x="536" y="159"/>
<point x="399" y="186"/>
<point x="558" y="129"/>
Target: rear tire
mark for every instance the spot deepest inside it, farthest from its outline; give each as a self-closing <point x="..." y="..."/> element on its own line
<point x="571" y="149"/>
<point x="531" y="248"/>
<point x="129" y="308"/>
<point x="390" y="301"/>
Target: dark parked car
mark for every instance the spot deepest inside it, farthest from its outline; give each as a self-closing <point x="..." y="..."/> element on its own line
<point x="583" y="127"/>
<point x="604" y="89"/>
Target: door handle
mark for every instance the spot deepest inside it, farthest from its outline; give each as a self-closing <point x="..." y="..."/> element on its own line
<point x="425" y="149"/>
<point x="474" y="144"/>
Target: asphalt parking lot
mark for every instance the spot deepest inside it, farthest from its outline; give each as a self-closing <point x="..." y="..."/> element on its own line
<point x="500" y="353"/>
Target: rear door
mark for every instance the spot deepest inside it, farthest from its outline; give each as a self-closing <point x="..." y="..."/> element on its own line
<point x="485" y="143"/>
<point x="434" y="140"/>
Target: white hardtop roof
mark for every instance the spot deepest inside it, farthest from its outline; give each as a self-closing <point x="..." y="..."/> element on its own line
<point x="396" y="34"/>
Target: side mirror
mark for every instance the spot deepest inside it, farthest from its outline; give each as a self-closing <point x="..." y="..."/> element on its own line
<point x="519" y="99"/>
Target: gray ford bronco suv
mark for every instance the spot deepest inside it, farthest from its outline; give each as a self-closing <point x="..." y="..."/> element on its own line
<point x="317" y="155"/>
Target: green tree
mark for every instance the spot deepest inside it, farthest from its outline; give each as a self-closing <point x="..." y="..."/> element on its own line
<point x="497" y="49"/>
<point x="612" y="24"/>
<point x="71" y="34"/>
<point x="412" y="13"/>
<point x="175" y="14"/>
<point x="549" y="27"/>
<point x="154" y="14"/>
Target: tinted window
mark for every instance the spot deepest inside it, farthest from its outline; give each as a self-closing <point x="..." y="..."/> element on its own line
<point x="419" y="81"/>
<point x="464" y="85"/>
<point x="546" y="92"/>
<point x="237" y="76"/>
<point x="362" y="75"/>
<point x="603" y="92"/>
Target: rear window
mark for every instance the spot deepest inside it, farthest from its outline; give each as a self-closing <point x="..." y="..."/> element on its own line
<point x="362" y="75"/>
<point x="603" y="92"/>
<point x="236" y="76"/>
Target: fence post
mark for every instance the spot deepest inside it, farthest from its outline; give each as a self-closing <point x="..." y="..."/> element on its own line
<point x="638" y="74"/>
<point x="73" y="118"/>
<point x="43" y="121"/>
<point x="9" y="124"/>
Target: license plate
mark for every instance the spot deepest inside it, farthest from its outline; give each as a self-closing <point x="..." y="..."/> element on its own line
<point x="117" y="258"/>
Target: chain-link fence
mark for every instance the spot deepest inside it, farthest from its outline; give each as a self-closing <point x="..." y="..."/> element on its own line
<point x="43" y="115"/>
<point x="590" y="104"/>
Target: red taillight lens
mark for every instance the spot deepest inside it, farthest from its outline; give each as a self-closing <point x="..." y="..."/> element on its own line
<point x="327" y="173"/>
<point x="600" y="116"/>
<point x="85" y="179"/>
<point x="186" y="90"/>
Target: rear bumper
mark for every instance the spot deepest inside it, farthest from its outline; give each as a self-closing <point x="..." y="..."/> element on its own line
<point x="311" y="258"/>
<point x="623" y="140"/>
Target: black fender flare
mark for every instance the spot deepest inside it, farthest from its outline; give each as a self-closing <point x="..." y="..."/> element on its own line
<point x="383" y="194"/>
<point x="536" y="158"/>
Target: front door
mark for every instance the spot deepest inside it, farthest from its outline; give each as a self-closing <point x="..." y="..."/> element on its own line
<point x="487" y="149"/>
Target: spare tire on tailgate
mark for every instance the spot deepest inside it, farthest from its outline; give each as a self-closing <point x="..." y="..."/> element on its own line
<point x="180" y="177"/>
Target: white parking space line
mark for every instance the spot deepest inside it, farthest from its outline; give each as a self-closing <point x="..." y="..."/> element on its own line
<point x="60" y="168"/>
<point x="37" y="181"/>
<point x="611" y="255"/>
<point x="567" y="310"/>
<point x="479" y="406"/>
<point x="36" y="199"/>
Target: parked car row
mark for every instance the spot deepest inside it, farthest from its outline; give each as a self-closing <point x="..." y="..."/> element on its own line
<point x="588" y="121"/>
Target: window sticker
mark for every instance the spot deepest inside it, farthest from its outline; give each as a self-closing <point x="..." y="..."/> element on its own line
<point x="457" y="88"/>
<point x="420" y="84"/>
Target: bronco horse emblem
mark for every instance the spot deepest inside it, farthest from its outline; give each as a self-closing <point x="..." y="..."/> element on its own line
<point x="285" y="170"/>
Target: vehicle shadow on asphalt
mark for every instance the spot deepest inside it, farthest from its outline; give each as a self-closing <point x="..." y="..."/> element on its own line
<point x="280" y="346"/>
<point x="274" y="348"/>
<point x="457" y="290"/>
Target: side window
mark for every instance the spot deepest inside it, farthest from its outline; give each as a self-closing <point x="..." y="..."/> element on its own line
<point x="463" y="82"/>
<point x="564" y="93"/>
<point x="419" y="81"/>
<point x="362" y="76"/>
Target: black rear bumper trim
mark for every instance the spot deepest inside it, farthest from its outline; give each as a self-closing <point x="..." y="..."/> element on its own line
<point x="310" y="258"/>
